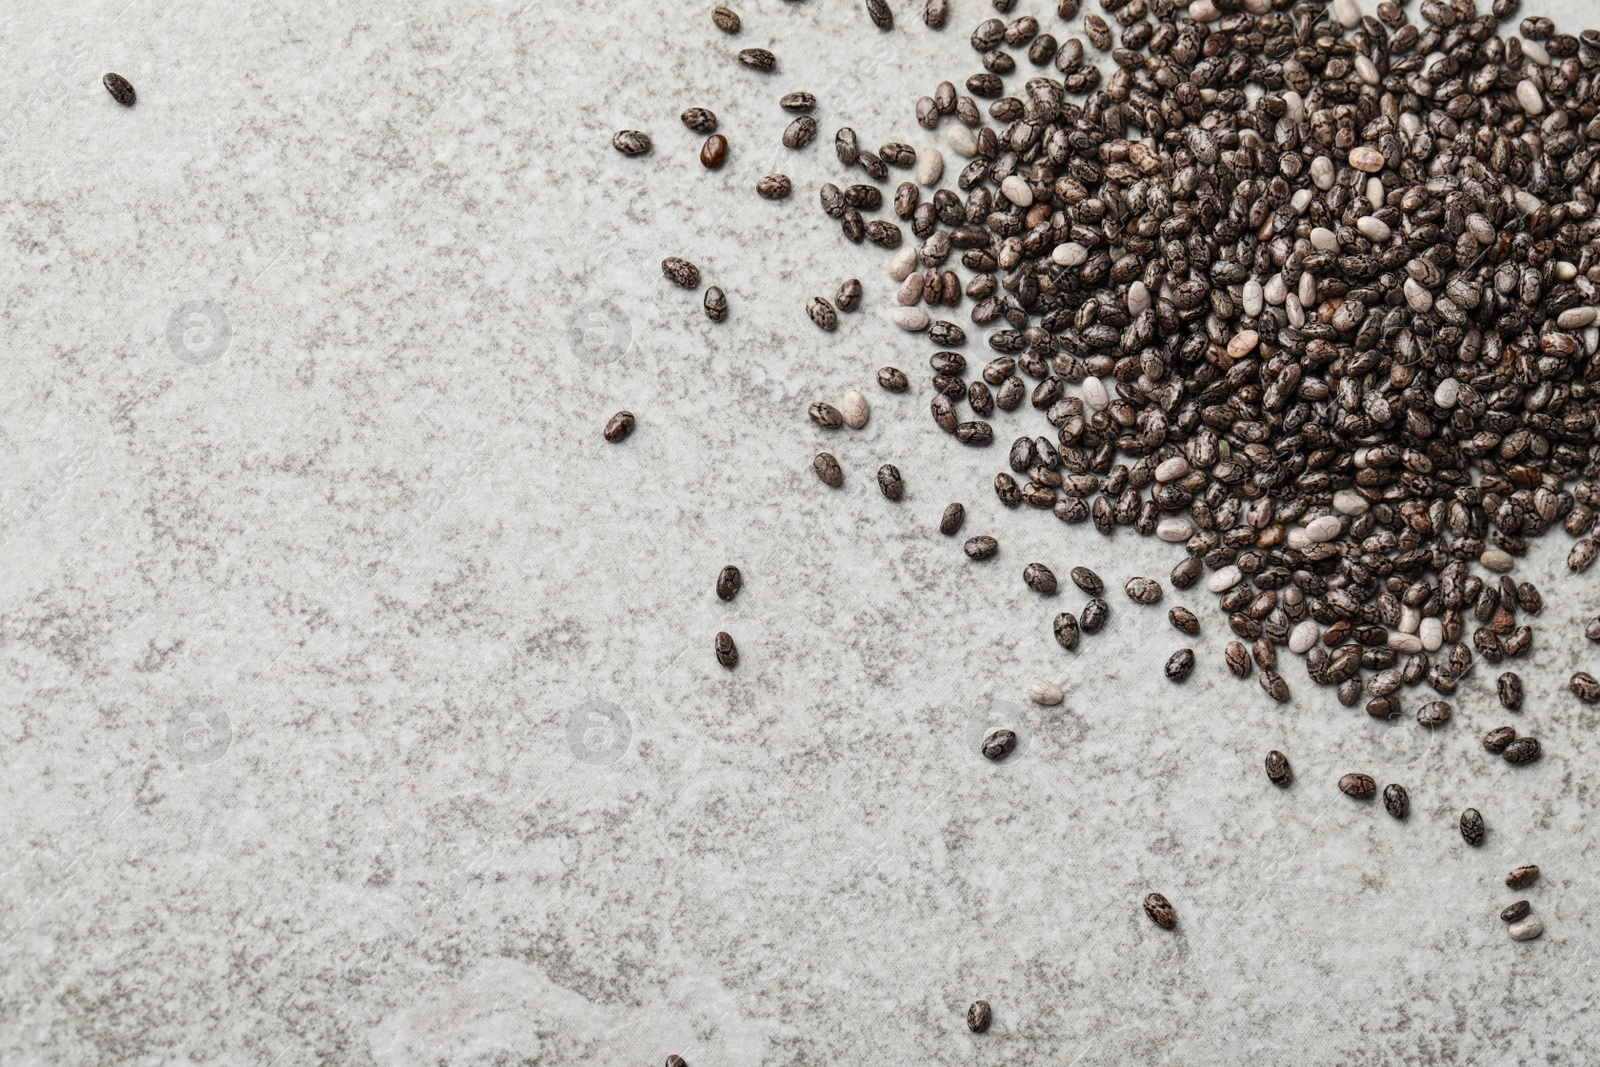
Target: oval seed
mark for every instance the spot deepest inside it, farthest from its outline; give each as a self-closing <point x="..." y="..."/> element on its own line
<point x="1088" y="581"/>
<point x="878" y="11"/>
<point x="821" y="312"/>
<point x="848" y="298"/>
<point x="828" y="470"/>
<point x="1160" y="911"/>
<point x="725" y="19"/>
<point x="1238" y="660"/>
<point x="700" y="120"/>
<point x="1512" y="912"/>
<point x="1527" y="929"/>
<point x="727" y="651"/>
<point x="1434" y="713"/>
<point x="121" y="91"/>
<point x="1584" y="687"/>
<point x="1066" y="630"/>
<point x="979" y="1015"/>
<point x="681" y="272"/>
<point x="774" y="187"/>
<point x="619" y="426"/>
<point x="1523" y="876"/>
<point x="950" y="521"/>
<point x="716" y="304"/>
<point x="825" y="415"/>
<point x="1184" y="620"/>
<point x="1472" y="827"/>
<point x="1497" y="739"/>
<point x="801" y="132"/>
<point x="1039" y="578"/>
<point x="1278" y="771"/>
<point x="1360" y="786"/>
<point x="855" y="410"/>
<point x="631" y="142"/>
<point x="758" y="59"/>
<point x="1094" y="615"/>
<point x="1143" y="590"/>
<point x="1509" y="688"/>
<point x="1396" y="801"/>
<point x="980" y="547"/>
<point x="797" y="101"/>
<point x="1043" y="691"/>
<point x="1274" y="685"/>
<point x="893" y="379"/>
<point x="1522" y="750"/>
<point x="729" y="582"/>
<point x="889" y="481"/>
<point x="999" y="744"/>
<point x="1180" y="665"/>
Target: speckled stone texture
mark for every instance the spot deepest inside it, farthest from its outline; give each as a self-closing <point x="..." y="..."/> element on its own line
<point x="359" y="703"/>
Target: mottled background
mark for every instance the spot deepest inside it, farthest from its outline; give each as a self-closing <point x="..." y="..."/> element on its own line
<point x="358" y="700"/>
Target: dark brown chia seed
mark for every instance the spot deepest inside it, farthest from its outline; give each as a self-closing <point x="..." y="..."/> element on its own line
<point x="822" y="313"/>
<point x="1585" y="688"/>
<point x="889" y="481"/>
<point x="1160" y="911"/>
<point x="981" y="547"/>
<point x="893" y="379"/>
<point x="1472" y="827"/>
<point x="1180" y="664"/>
<point x="1279" y="772"/>
<point x="950" y="521"/>
<point x="1497" y="739"/>
<point x="727" y="21"/>
<point x="1094" y="615"/>
<point x="1360" y="786"/>
<point x="1522" y="750"/>
<point x="979" y="1015"/>
<point x="825" y="415"/>
<point x="729" y="582"/>
<point x="828" y="470"/>
<point x="1238" y="660"/>
<point x="631" y="142"/>
<point x="1066" y="630"/>
<point x="1523" y="876"/>
<point x="727" y="651"/>
<point x="619" y="426"/>
<point x="1512" y="912"/>
<point x="1434" y="713"/>
<point x="681" y="272"/>
<point x="1039" y="578"/>
<point x="775" y="187"/>
<point x="715" y="304"/>
<point x="1184" y="620"/>
<point x="758" y="59"/>
<point x="999" y="744"/>
<point x="848" y="298"/>
<point x="1509" y="688"/>
<point x="121" y="91"/>
<point x="797" y="101"/>
<point x="1396" y="801"/>
<point x="1088" y="581"/>
<point x="700" y="120"/>
<point x="801" y="132"/>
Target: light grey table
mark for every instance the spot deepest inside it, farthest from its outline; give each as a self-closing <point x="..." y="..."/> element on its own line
<point x="359" y="704"/>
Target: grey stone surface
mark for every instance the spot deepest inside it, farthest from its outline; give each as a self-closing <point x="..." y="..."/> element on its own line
<point x="359" y="703"/>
